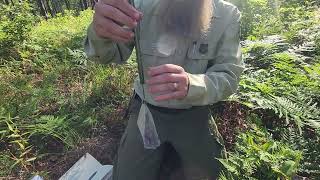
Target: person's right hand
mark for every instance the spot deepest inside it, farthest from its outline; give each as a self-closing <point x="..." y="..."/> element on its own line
<point x="111" y="15"/>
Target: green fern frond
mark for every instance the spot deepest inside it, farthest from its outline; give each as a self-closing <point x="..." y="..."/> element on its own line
<point x="302" y="110"/>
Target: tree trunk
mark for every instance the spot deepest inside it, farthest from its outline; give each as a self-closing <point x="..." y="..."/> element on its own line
<point x="67" y="2"/>
<point x="61" y="6"/>
<point x="57" y="6"/>
<point x="49" y="8"/>
<point x="54" y="8"/>
<point x="42" y="9"/>
<point x="85" y="4"/>
<point x="81" y="5"/>
<point x="92" y="3"/>
<point x="7" y="2"/>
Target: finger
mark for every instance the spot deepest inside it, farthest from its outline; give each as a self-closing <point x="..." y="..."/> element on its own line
<point x="165" y="68"/>
<point x="118" y="39"/>
<point x="116" y="15"/>
<point x="166" y="78"/>
<point x="103" y="32"/>
<point x="170" y="96"/>
<point x="117" y="30"/>
<point x="131" y="11"/>
<point x="125" y="7"/>
<point x="158" y="88"/>
<point x="115" y="38"/>
<point x="107" y="25"/>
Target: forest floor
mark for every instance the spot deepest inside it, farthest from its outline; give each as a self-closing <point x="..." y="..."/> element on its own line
<point x="102" y="145"/>
<point x="104" y="140"/>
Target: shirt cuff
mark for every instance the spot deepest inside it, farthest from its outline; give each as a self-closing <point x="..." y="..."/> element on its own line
<point x="99" y="49"/>
<point x="197" y="87"/>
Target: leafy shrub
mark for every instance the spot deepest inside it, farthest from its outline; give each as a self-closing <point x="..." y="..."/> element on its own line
<point x="15" y="24"/>
<point x="254" y="14"/>
<point x="269" y="17"/>
<point x="295" y="19"/>
<point x="286" y="85"/>
<point x="60" y="36"/>
<point x="51" y="95"/>
<point x="295" y="3"/>
<point x="308" y="143"/>
<point x="257" y="54"/>
<point x="258" y="156"/>
<point x="284" y="71"/>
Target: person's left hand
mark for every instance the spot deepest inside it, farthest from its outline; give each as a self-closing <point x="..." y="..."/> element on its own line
<point x="168" y="80"/>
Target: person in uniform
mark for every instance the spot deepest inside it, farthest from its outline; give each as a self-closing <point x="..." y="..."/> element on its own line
<point x="191" y="56"/>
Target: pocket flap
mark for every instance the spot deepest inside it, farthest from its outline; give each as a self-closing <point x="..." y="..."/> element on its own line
<point x="201" y="50"/>
<point x="151" y="48"/>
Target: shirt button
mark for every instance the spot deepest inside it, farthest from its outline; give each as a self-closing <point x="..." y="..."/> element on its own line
<point x="179" y="52"/>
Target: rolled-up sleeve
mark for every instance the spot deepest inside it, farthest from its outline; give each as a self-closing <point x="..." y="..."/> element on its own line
<point x="222" y="77"/>
<point x="104" y="50"/>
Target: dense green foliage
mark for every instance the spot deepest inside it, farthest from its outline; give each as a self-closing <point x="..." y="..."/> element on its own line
<point x="266" y="17"/>
<point x="258" y="156"/>
<point x="51" y="96"/>
<point x="16" y="23"/>
<point x="282" y="80"/>
<point x="52" y="8"/>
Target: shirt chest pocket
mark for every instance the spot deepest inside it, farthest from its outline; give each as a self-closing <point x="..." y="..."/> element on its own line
<point x="202" y="50"/>
<point x="151" y="48"/>
<point x="206" y="47"/>
<point x="200" y="54"/>
<point x="152" y="55"/>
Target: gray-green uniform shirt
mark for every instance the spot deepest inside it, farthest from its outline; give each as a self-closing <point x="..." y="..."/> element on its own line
<point x="213" y="62"/>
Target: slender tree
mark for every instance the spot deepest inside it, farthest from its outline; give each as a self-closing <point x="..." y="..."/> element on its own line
<point x="42" y="9"/>
<point x="7" y="2"/>
<point x="81" y="5"/>
<point x="54" y="8"/>
<point x="49" y="9"/>
<point x="67" y="2"/>
<point x="92" y="3"/>
<point x="85" y="4"/>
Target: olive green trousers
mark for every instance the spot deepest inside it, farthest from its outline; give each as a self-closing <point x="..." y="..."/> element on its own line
<point x="191" y="132"/>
